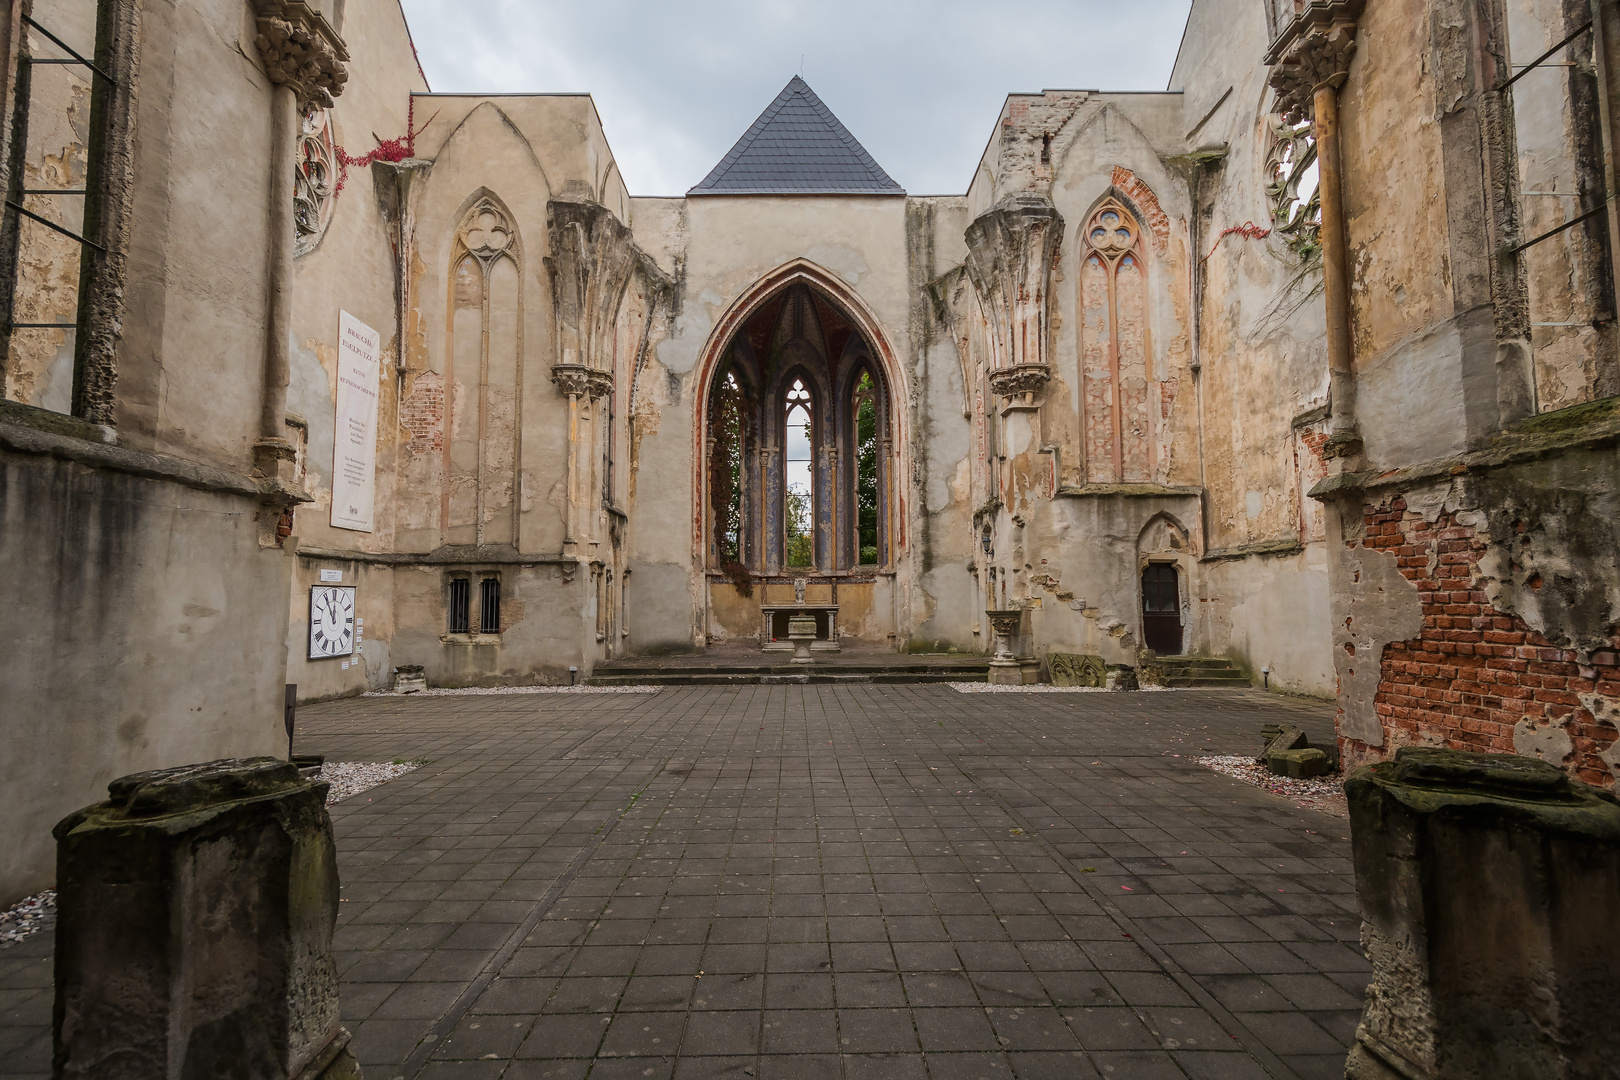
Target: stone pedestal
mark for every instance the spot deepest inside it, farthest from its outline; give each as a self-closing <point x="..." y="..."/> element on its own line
<point x="1490" y="889"/>
<point x="802" y="631"/>
<point x="1005" y="670"/>
<point x="194" y="929"/>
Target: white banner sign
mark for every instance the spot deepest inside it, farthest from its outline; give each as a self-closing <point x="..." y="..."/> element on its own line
<point x="354" y="438"/>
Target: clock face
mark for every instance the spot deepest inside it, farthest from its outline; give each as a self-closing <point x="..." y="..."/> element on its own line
<point x="331" y="621"/>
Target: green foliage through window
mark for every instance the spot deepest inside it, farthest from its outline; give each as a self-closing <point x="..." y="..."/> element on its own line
<point x="866" y="471"/>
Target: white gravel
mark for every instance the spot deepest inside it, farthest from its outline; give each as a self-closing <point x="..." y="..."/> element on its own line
<point x="27" y="916"/>
<point x="352" y="777"/>
<point x="469" y="690"/>
<point x="1325" y="793"/>
<point x="1043" y="688"/>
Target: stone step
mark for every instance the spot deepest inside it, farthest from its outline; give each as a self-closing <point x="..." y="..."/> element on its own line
<point x="1189" y="682"/>
<point x="670" y="677"/>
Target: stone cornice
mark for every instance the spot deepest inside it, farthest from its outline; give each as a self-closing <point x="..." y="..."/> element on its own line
<point x="301" y="50"/>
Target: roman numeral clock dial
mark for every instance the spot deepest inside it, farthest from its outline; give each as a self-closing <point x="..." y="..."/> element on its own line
<point x="331" y="621"/>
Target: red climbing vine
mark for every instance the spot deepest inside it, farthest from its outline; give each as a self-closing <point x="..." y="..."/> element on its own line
<point x="386" y="149"/>
<point x="1248" y="230"/>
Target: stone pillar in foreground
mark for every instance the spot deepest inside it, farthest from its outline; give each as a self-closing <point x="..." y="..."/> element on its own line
<point x="1490" y="892"/>
<point x="194" y="929"/>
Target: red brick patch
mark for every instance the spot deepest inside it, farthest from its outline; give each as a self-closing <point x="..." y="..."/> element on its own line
<point x="1474" y="671"/>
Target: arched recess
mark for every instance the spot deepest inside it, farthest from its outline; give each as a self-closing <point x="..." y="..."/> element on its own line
<point x="1165" y="544"/>
<point x="483" y="375"/>
<point x="756" y="447"/>
<point x="1116" y="354"/>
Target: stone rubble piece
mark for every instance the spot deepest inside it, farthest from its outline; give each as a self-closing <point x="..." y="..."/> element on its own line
<point x="1289" y="752"/>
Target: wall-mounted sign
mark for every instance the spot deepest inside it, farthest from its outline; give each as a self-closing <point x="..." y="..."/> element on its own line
<point x="354" y="437"/>
<point x="331" y="621"/>
<point x="331" y="575"/>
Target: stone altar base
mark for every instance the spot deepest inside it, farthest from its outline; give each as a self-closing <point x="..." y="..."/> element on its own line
<point x="1489" y="888"/>
<point x="194" y="933"/>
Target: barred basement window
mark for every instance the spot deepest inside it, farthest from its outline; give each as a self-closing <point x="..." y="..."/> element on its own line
<point x="489" y="606"/>
<point x="460" y="597"/>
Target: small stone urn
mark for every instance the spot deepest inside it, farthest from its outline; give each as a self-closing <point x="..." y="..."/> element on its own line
<point x="1004" y="668"/>
<point x="802" y="631"/>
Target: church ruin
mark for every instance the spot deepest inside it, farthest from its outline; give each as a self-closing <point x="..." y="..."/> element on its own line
<point x="1307" y="362"/>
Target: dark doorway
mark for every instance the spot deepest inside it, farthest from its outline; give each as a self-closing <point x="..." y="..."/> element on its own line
<point x="1161" y="609"/>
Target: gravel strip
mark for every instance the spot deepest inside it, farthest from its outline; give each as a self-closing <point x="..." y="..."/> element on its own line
<point x="469" y="690"/>
<point x="1325" y="793"/>
<point x="352" y="777"/>
<point x="1043" y="688"/>
<point x="26" y="916"/>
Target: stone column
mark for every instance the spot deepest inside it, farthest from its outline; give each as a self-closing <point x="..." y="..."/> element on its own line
<point x="304" y="58"/>
<point x="194" y="935"/>
<point x="1489" y="888"/>
<point x="1307" y="77"/>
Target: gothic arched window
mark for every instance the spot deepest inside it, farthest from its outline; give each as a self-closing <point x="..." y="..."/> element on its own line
<point x="727" y="468"/>
<point x="864" y="409"/>
<point x="1114" y="347"/>
<point x="799" y="478"/>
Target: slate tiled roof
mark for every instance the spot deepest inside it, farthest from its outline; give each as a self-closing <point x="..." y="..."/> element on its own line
<point x="797" y="147"/>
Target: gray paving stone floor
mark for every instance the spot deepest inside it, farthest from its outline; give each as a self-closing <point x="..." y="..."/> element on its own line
<point x="822" y="881"/>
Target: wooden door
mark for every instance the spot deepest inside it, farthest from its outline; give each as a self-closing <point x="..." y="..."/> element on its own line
<point x="1161" y="609"/>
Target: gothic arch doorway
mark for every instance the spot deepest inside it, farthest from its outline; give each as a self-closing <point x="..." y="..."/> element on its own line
<point x="799" y="461"/>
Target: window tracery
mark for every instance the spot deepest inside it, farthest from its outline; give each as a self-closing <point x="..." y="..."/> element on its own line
<point x="798" y="478"/>
<point x="1291" y="186"/>
<point x="314" y="187"/>
<point x="1114" y="346"/>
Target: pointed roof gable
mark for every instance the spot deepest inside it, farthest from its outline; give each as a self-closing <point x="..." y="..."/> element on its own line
<point x="797" y="147"/>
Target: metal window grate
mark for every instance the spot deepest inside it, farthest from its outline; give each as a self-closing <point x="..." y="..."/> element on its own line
<point x="17" y="192"/>
<point x="460" y="602"/>
<point x="489" y="606"/>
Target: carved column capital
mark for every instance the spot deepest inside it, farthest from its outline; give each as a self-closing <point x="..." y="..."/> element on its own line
<point x="301" y="50"/>
<point x="1022" y="379"/>
<point x="1011" y="248"/>
<point x="573" y="380"/>
<point x="1318" y="57"/>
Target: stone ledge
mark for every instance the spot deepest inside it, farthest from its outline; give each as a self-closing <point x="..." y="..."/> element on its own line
<point x="448" y="555"/>
<point x="1262" y="547"/>
<point x="1591" y="425"/>
<point x="1086" y="491"/>
<point x="27" y="430"/>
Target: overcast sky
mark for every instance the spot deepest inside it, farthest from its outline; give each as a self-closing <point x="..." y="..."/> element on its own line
<point x="918" y="83"/>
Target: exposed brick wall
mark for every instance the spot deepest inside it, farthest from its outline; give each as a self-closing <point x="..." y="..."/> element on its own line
<point x="1475" y="672"/>
<point x="1158" y="222"/>
<point x="422" y="413"/>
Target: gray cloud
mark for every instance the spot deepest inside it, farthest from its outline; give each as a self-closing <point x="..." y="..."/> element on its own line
<point x="920" y="84"/>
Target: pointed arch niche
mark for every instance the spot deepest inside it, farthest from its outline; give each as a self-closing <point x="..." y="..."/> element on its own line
<point x="1115" y="351"/>
<point x="799" y="441"/>
<point x="483" y="376"/>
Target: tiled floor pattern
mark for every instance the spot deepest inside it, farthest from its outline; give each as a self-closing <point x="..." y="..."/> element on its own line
<point x="823" y="881"/>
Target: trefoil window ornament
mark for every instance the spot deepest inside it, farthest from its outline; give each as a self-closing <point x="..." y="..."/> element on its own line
<point x="1291" y="186"/>
<point x="315" y="186"/>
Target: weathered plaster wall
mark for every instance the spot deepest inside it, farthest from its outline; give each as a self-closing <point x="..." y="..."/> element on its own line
<point x="144" y="629"/>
